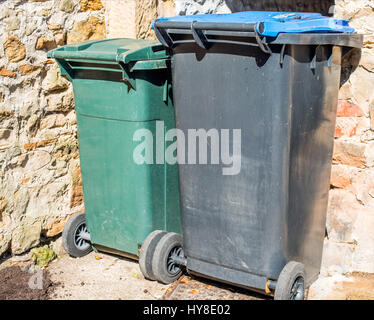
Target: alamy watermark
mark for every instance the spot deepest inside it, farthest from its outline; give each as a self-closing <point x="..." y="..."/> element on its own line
<point x="183" y="149"/>
<point x="36" y="279"/>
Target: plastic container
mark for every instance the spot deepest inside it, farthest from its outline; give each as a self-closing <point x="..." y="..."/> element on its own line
<point x="275" y="77"/>
<point x="120" y="86"/>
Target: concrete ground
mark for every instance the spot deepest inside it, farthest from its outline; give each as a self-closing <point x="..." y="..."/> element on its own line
<point x="355" y="286"/>
<point x="104" y="276"/>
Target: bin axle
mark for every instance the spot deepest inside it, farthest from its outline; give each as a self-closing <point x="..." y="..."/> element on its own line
<point x="181" y="261"/>
<point x="85" y="235"/>
<point x="270" y="286"/>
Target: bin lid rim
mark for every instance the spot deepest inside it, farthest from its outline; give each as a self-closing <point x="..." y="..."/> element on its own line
<point x="273" y="23"/>
<point x="116" y="50"/>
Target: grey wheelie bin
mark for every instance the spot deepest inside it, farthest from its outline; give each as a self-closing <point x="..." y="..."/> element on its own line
<point x="264" y="86"/>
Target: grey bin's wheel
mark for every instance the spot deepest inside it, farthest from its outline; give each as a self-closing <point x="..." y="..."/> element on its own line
<point x="75" y="236"/>
<point x="291" y="282"/>
<point x="164" y="267"/>
<point x="147" y="252"/>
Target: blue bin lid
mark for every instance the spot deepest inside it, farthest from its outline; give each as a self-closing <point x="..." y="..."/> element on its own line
<point x="274" y="22"/>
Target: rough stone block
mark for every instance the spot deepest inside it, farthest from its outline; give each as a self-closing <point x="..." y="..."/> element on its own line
<point x="91" y="5"/>
<point x="91" y="29"/>
<point x="14" y="49"/>
<point x="336" y="257"/>
<point x="54" y="81"/>
<point x="341" y="215"/>
<point x="26" y="236"/>
<point x="349" y="153"/>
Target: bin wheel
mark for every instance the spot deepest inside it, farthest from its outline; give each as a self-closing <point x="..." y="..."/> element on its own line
<point x="146" y="253"/>
<point x="291" y="282"/>
<point x="75" y="236"/>
<point x="164" y="267"/>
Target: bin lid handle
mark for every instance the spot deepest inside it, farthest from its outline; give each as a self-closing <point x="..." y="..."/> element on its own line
<point x="197" y="29"/>
<point x="261" y="43"/>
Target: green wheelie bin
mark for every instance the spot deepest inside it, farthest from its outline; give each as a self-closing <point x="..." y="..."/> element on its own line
<point x="122" y="88"/>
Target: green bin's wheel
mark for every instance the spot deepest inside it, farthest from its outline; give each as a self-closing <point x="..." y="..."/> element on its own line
<point x="146" y="253"/>
<point x="75" y="237"/>
<point x="291" y="282"/>
<point x="164" y="267"/>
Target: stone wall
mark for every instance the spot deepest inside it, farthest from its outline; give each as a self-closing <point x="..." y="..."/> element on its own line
<point x="350" y="220"/>
<point x="322" y="6"/>
<point x="133" y="18"/>
<point x="40" y="182"/>
<point x="120" y="18"/>
<point x="185" y="7"/>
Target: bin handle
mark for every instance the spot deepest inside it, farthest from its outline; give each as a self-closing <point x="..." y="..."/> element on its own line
<point x="65" y="69"/>
<point x="261" y="43"/>
<point x="199" y="36"/>
<point x="165" y="93"/>
<point x="127" y="76"/>
<point x="163" y="36"/>
<point x="197" y="28"/>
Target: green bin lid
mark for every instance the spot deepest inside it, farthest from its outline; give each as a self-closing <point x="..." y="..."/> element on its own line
<point x="112" y="50"/>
